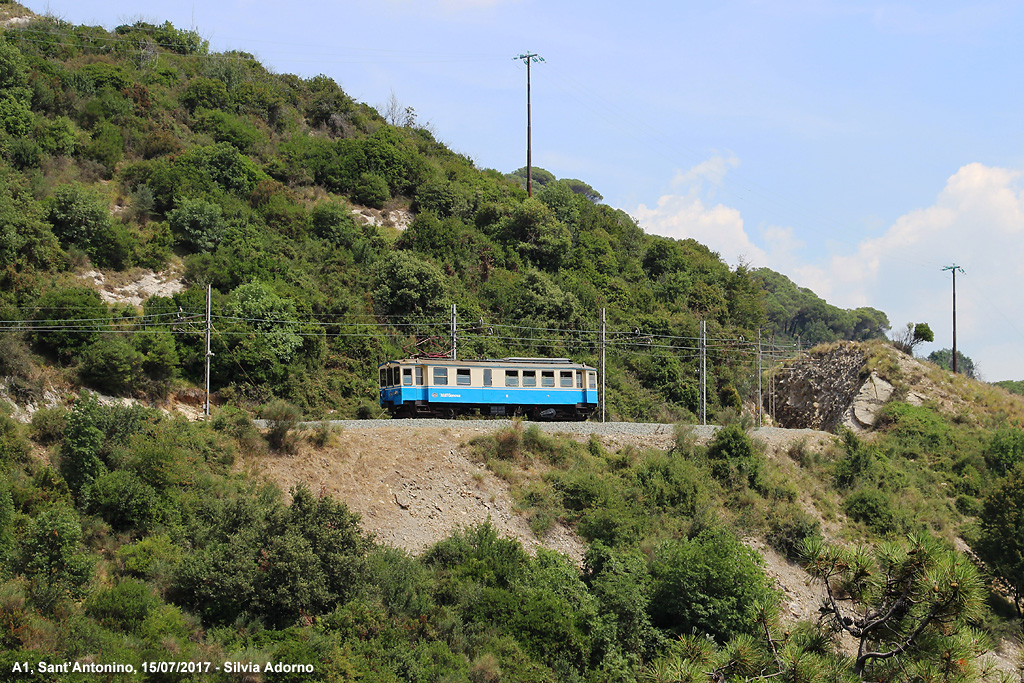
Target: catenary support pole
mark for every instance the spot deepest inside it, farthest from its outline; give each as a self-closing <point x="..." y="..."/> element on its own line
<point x="209" y="296"/>
<point x="760" y="402"/>
<point x="455" y="355"/>
<point x="602" y="362"/>
<point x="703" y="372"/>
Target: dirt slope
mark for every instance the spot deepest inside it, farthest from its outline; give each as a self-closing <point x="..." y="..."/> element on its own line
<point x="413" y="487"/>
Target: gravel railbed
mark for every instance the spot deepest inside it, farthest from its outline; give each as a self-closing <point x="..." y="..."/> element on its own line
<point x="599" y="428"/>
<point x="702" y="433"/>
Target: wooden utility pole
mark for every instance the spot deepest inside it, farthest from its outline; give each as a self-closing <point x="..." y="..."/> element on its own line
<point x="526" y="59"/>
<point x="954" y="268"/>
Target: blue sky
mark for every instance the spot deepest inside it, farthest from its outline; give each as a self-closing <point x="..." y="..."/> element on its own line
<point x="856" y="146"/>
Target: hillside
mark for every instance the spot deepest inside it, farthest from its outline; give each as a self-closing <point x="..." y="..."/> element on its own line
<point x="333" y="238"/>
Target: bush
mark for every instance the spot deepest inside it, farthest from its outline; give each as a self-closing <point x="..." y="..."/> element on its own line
<point x="334" y="223"/>
<point x="873" y="508"/>
<point x="734" y="459"/>
<point x="51" y="559"/>
<point x="198" y="224"/>
<point x="371" y="190"/>
<point x="14" y="447"/>
<point x="1005" y="449"/>
<point x="78" y="309"/>
<point x="709" y="584"/>
<point x="281" y="417"/>
<point x="111" y="365"/>
<point x="788" y="528"/>
<point x="205" y="93"/>
<point x="123" y="500"/>
<point x="143" y="558"/>
<point x="80" y="462"/>
<point x="48" y="425"/>
<point x="123" y="607"/>
<point x="79" y="217"/>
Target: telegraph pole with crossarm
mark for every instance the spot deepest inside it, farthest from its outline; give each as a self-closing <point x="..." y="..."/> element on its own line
<point x="954" y="268"/>
<point x="527" y="59"/>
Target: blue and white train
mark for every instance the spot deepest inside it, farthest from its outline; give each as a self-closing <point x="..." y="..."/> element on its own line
<point x="537" y="388"/>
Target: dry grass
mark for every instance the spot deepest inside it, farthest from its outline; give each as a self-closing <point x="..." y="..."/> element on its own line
<point x="10" y="10"/>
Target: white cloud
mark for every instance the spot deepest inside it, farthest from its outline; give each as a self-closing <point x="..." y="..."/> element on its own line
<point x="712" y="170"/>
<point x="689" y="214"/>
<point x="976" y="221"/>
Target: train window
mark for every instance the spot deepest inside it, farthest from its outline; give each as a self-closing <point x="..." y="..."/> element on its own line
<point x="565" y="378"/>
<point x="407" y="377"/>
<point x="419" y="377"/>
<point x="529" y="378"/>
<point x="547" y="378"/>
<point x="592" y="379"/>
<point x="391" y="376"/>
<point x="511" y="378"/>
<point x="462" y="376"/>
<point x="441" y="376"/>
<point x="579" y="379"/>
<point x="383" y="377"/>
<point x="487" y="377"/>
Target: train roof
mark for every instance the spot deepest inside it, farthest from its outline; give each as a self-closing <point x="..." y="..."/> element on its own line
<point x="489" y="361"/>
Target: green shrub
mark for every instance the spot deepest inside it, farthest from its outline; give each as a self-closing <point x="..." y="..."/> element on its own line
<point x="872" y="507"/>
<point x="111" y="365"/>
<point x="227" y="128"/>
<point x="371" y="190"/>
<point x="144" y="557"/>
<point x="1005" y="449"/>
<point x="48" y="425"/>
<point x="788" y="527"/>
<point x="123" y="500"/>
<point x="79" y="216"/>
<point x="617" y="524"/>
<point x="80" y="462"/>
<point x="858" y="463"/>
<point x="160" y="359"/>
<point x="205" y="93"/>
<point x="78" y="309"/>
<point x="333" y="222"/>
<point x="281" y="417"/>
<point x="734" y="459"/>
<point x="58" y="136"/>
<point x="25" y="153"/>
<point x="51" y="559"/>
<point x="123" y="607"/>
<point x="672" y="482"/>
<point x="106" y="147"/>
<point x="709" y="584"/>
<point x="14" y="446"/>
<point x="198" y="224"/>
<point x="6" y="534"/>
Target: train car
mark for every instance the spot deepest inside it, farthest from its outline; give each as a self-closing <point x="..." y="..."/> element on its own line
<point x="537" y="388"/>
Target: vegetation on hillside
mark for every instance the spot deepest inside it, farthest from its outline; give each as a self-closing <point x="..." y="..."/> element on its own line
<point x="135" y="541"/>
<point x="139" y="148"/>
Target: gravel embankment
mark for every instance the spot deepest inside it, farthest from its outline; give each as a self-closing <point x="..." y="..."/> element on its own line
<point x="638" y="433"/>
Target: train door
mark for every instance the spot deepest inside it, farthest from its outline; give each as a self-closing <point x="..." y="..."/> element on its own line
<point x="587" y="382"/>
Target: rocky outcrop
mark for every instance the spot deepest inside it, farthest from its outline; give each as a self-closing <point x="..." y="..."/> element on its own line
<point x="832" y="386"/>
<point x="817" y="390"/>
